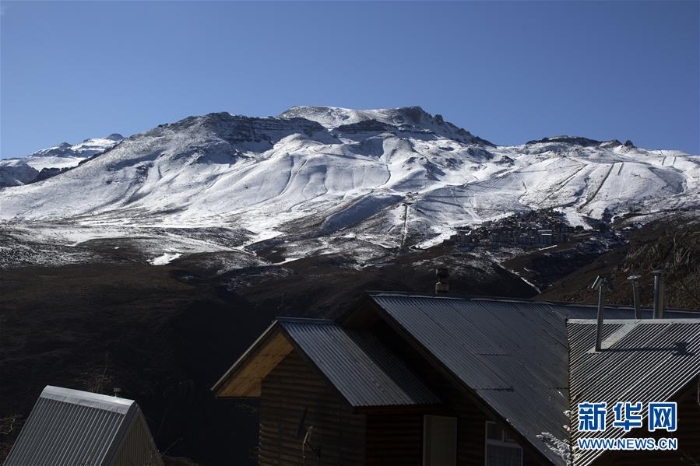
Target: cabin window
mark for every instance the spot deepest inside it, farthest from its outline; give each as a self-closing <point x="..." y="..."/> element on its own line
<point x="501" y="448"/>
<point x="439" y="441"/>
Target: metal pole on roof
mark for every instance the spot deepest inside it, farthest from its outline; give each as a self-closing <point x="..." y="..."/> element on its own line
<point x="659" y="298"/>
<point x="635" y="295"/>
<point x="601" y="283"/>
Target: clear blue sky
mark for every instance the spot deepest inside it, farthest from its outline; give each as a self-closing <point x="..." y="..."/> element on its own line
<point x="506" y="71"/>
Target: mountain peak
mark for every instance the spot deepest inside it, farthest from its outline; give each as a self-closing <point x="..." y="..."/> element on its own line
<point x="402" y="118"/>
<point x="333" y="117"/>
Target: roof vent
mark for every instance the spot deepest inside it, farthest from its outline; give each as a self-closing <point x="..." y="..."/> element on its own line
<point x="659" y="298"/>
<point x="635" y="295"/>
<point x="602" y="284"/>
<point x="442" y="286"/>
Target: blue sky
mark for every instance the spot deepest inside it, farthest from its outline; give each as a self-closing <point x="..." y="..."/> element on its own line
<point x="506" y="71"/>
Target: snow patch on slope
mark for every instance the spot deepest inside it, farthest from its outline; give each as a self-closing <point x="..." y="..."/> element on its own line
<point x="164" y="259"/>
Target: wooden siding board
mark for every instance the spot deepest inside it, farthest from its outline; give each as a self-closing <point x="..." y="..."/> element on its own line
<point x="244" y="381"/>
<point x="287" y="391"/>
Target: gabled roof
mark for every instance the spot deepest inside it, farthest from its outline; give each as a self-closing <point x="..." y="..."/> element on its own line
<point x="362" y="370"/>
<point x="72" y="427"/>
<point x="512" y="355"/>
<point x="647" y="360"/>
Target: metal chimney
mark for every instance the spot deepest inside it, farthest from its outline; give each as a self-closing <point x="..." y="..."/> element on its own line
<point x="659" y="298"/>
<point x="635" y="295"/>
<point x="442" y="286"/>
<point x="601" y="284"/>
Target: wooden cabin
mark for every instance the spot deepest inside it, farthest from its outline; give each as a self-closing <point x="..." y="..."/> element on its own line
<point x="427" y="380"/>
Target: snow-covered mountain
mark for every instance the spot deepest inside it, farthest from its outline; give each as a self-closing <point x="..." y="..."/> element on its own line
<point x="20" y="171"/>
<point x="327" y="174"/>
<point x="69" y="155"/>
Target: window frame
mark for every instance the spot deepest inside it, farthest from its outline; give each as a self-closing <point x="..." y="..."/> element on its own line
<point x="503" y="442"/>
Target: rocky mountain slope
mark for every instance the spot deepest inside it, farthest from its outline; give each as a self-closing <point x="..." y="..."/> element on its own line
<point x="671" y="243"/>
<point x="324" y="180"/>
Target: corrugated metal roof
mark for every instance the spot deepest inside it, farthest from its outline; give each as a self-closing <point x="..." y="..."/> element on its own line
<point x="71" y="427"/>
<point x="648" y="360"/>
<point x="514" y="355"/>
<point x="365" y="372"/>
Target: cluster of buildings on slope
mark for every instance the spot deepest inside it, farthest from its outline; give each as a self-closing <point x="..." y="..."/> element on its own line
<point x="526" y="230"/>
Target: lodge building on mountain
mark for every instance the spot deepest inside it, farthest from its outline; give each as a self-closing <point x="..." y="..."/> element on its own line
<point x="442" y="380"/>
<point x="524" y="229"/>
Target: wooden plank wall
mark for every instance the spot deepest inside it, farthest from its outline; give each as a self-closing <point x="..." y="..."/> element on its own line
<point x="295" y="398"/>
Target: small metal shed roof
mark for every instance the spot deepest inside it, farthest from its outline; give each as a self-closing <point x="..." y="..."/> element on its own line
<point x="362" y="370"/>
<point x="647" y="361"/>
<point x="72" y="427"/>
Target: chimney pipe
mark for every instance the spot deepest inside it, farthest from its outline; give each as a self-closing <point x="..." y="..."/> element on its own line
<point x="442" y="286"/>
<point x="635" y="295"/>
<point x="600" y="283"/>
<point x="659" y="298"/>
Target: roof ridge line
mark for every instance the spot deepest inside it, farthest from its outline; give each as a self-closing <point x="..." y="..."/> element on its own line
<point x="635" y="322"/>
<point x="305" y="320"/>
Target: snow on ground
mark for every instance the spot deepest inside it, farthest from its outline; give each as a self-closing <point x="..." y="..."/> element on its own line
<point x="434" y="241"/>
<point x="39" y="163"/>
<point x="532" y="285"/>
<point x="164" y="259"/>
<point x="576" y="219"/>
<point x="385" y="176"/>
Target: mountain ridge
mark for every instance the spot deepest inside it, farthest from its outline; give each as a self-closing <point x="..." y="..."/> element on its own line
<point x="45" y="163"/>
<point x="393" y="177"/>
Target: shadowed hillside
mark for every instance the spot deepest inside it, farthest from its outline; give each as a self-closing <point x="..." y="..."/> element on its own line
<point x="165" y="334"/>
<point x="672" y="244"/>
